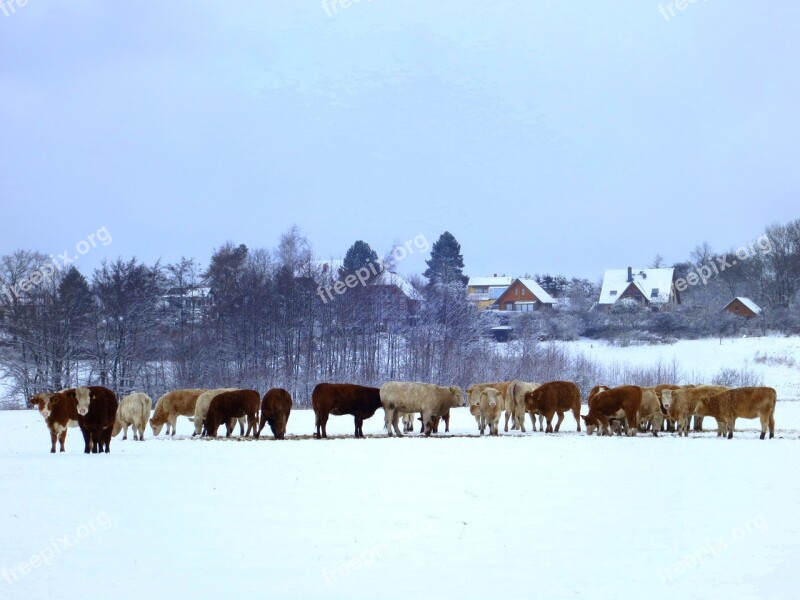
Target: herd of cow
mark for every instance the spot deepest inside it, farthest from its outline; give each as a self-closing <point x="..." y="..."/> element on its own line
<point x="624" y="410"/>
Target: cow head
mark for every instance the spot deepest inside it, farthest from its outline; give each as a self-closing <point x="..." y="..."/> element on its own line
<point x="40" y="402"/>
<point x="666" y="398"/>
<point x="456" y="396"/>
<point x="278" y="426"/>
<point x="591" y="424"/>
<point x="84" y="396"/>
<point x="491" y="396"/>
<point x="156" y="426"/>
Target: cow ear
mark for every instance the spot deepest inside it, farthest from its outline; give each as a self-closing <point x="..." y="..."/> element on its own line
<point x="55" y="399"/>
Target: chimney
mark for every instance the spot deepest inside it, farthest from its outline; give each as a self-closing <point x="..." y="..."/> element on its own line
<point x="495" y="274"/>
<point x="630" y="274"/>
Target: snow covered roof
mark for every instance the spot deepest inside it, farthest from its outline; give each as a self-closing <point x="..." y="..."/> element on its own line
<point x="647" y="281"/>
<point x="747" y="302"/>
<point x="490" y="281"/>
<point x="538" y="291"/>
<point x="392" y="278"/>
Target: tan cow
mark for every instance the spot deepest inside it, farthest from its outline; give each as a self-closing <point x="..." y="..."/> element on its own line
<point x="681" y="404"/>
<point x="515" y="400"/>
<point x="133" y="410"/>
<point x="172" y="405"/>
<point x="745" y="403"/>
<point x="474" y="397"/>
<point x="650" y="411"/>
<point x="430" y="400"/>
<point x="491" y="407"/>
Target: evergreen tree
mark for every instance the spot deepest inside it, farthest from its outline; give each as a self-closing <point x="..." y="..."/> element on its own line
<point x="359" y="255"/>
<point x="446" y="263"/>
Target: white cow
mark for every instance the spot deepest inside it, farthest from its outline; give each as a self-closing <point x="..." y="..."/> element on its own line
<point x="133" y="410"/>
<point x="426" y="398"/>
<point x="491" y="406"/>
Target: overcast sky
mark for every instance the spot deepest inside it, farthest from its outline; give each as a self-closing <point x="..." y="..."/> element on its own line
<point x="560" y="136"/>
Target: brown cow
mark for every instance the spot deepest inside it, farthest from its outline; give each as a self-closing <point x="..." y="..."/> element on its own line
<point x="343" y="399"/>
<point x="98" y="422"/>
<point x="681" y="403"/>
<point x="623" y="401"/>
<point x="554" y="397"/>
<point x="229" y="406"/>
<point x="60" y="411"/>
<point x="275" y="409"/>
<point x="745" y="403"/>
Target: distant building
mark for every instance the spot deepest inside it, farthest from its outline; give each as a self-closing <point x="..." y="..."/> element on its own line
<point x="484" y="291"/>
<point x="743" y="307"/>
<point x="649" y="287"/>
<point x="524" y="295"/>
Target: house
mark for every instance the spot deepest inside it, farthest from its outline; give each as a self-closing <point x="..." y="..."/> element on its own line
<point x="484" y="291"/>
<point x="649" y="287"/>
<point x="524" y="295"/>
<point x="743" y="307"/>
<point x="394" y="291"/>
<point x="189" y="303"/>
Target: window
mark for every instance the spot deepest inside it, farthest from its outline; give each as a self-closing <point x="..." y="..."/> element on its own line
<point x="509" y="306"/>
<point x="654" y="293"/>
<point x="516" y="291"/>
<point x="612" y="293"/>
<point x="525" y="306"/>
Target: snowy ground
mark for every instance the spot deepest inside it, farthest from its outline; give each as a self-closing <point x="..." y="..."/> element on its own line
<point x="776" y="359"/>
<point x="519" y="516"/>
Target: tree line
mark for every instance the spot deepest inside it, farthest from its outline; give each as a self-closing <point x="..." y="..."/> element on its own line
<point x="254" y="318"/>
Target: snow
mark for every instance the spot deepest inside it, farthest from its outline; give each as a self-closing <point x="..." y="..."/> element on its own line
<point x="616" y="280"/>
<point x="748" y="303"/>
<point x="502" y="281"/>
<point x="453" y="516"/>
<point x="775" y="359"/>
<point x="538" y="291"/>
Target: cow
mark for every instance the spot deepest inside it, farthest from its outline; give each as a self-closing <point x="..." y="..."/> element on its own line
<point x="428" y="399"/>
<point x="491" y="406"/>
<point x="515" y="399"/>
<point x="619" y="402"/>
<point x="172" y="405"/>
<point x="202" y="402"/>
<point x="275" y="409"/>
<point x="229" y="406"/>
<point x="474" y="397"/>
<point x="681" y="403"/>
<point x="98" y="422"/>
<point x="134" y="410"/>
<point x="343" y="399"/>
<point x="650" y="411"/>
<point x="60" y="411"/>
<point x="554" y="397"/>
<point x="744" y="403"/>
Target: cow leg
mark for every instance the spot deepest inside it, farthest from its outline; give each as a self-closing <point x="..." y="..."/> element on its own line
<point x="508" y="414"/>
<point x="396" y="425"/>
<point x="388" y="417"/>
<point x="359" y="427"/>
<point x="576" y="411"/>
<point x="53" y="438"/>
<point x="174" y="420"/>
<point x="632" y="424"/>
<point x="481" y="424"/>
<point x="731" y="426"/>
<point x="533" y="420"/>
<point x="87" y="448"/>
<point x="446" y="419"/>
<point x="604" y="425"/>
<point x="560" y="419"/>
<point x="772" y="424"/>
<point x="62" y="437"/>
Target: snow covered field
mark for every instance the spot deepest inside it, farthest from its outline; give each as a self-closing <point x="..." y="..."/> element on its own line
<point x="776" y="359"/>
<point x="519" y="516"/>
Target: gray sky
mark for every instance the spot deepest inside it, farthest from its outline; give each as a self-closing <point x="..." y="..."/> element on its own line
<point x="556" y="136"/>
